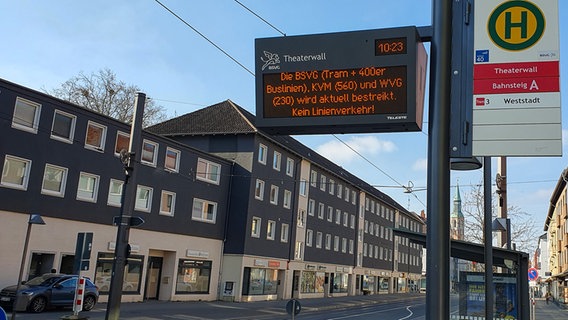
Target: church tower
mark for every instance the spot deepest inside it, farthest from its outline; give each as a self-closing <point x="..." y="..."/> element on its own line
<point x="457" y="218"/>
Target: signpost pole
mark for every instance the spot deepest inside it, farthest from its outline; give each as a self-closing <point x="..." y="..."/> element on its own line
<point x="126" y="209"/>
<point x="438" y="233"/>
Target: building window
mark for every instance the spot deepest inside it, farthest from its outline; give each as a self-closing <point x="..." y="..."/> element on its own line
<point x="327" y="241"/>
<point x="339" y="190"/>
<point x="204" y="210"/>
<point x="96" y="135"/>
<point x="284" y="232"/>
<point x="54" y="179"/>
<point x="276" y="161"/>
<point x="322" y="182"/>
<point x="352" y="222"/>
<point x="259" y="281"/>
<point x="259" y="189"/>
<point x="309" y="237"/>
<point x="270" y="230"/>
<point x="274" y="194"/>
<point x="331" y="186"/>
<point x="338" y="216"/>
<point x="312" y="282"/>
<point x="149" y="152"/>
<point x="115" y="192"/>
<point x="255" y="227"/>
<point x="262" y="151"/>
<point x="330" y="214"/>
<point x="193" y="276"/>
<point x="172" y="159"/>
<point x="311" y="207"/>
<point x="132" y="273"/>
<point x="351" y="246"/>
<point x="88" y="187"/>
<point x="319" y="239"/>
<point x="345" y="219"/>
<point x="167" y="203"/>
<point x="347" y="192"/>
<point x="26" y="115"/>
<point x="122" y="142"/>
<point x="208" y="171"/>
<point x="16" y="172"/>
<point x="321" y="210"/>
<point x="290" y="167"/>
<point x="303" y="188"/>
<point x="313" y="178"/>
<point x="143" y="198"/>
<point x="287" y="199"/>
<point x="336" y="243"/>
<point x="301" y="218"/>
<point x="353" y="197"/>
<point x="63" y="127"/>
<point x="299" y="251"/>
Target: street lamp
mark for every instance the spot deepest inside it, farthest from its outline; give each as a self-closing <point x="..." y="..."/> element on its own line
<point x="34" y="219"/>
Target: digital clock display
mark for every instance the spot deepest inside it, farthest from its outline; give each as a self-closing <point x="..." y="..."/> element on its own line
<point x="391" y="46"/>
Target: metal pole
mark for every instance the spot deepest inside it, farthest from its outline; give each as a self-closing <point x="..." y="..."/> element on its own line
<point x="22" y="265"/>
<point x="126" y="209"/>
<point x="505" y="238"/>
<point x="438" y="233"/>
<point x="488" y="237"/>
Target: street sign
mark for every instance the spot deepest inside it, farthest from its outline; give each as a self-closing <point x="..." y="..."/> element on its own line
<point x="533" y="274"/>
<point x="345" y="82"/>
<point x="83" y="250"/>
<point x="516" y="95"/>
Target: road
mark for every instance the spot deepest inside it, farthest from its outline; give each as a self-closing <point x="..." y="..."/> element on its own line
<point x="403" y="308"/>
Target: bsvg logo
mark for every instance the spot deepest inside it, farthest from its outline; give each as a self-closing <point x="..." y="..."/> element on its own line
<point x="516" y="25"/>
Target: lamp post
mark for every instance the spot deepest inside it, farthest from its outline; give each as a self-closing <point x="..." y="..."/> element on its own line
<point x="34" y="219"/>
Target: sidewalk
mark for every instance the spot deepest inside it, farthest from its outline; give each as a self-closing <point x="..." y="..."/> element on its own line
<point x="550" y="311"/>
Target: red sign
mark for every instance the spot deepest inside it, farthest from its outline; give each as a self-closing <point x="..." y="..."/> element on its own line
<point x="516" y="85"/>
<point x="516" y="70"/>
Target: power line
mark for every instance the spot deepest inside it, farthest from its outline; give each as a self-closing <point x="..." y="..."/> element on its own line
<point x="261" y="18"/>
<point x="204" y="37"/>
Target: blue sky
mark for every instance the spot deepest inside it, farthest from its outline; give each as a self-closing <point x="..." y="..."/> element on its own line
<point x="48" y="42"/>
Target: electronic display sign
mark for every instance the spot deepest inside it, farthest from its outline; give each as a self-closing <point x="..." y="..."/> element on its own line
<point x="348" y="82"/>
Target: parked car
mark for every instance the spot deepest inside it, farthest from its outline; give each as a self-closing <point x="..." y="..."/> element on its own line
<point x="47" y="291"/>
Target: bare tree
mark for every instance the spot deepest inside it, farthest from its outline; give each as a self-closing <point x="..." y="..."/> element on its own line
<point x="524" y="232"/>
<point x="103" y="93"/>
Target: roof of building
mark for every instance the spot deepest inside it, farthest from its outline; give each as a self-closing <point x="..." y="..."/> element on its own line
<point x="457" y="211"/>
<point x="228" y="118"/>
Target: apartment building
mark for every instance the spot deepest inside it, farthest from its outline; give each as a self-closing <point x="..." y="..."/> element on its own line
<point x="342" y="238"/>
<point x="62" y="162"/>
<point x="230" y="212"/>
<point x="556" y="228"/>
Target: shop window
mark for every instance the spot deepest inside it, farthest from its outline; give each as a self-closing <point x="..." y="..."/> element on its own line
<point x="257" y="281"/>
<point x="132" y="273"/>
<point x="339" y="282"/>
<point x="312" y="282"/>
<point x="193" y="276"/>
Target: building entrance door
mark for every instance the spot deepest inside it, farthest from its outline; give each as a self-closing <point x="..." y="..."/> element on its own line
<point x="152" y="288"/>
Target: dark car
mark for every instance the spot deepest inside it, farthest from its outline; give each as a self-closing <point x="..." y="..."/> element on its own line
<point x="46" y="291"/>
